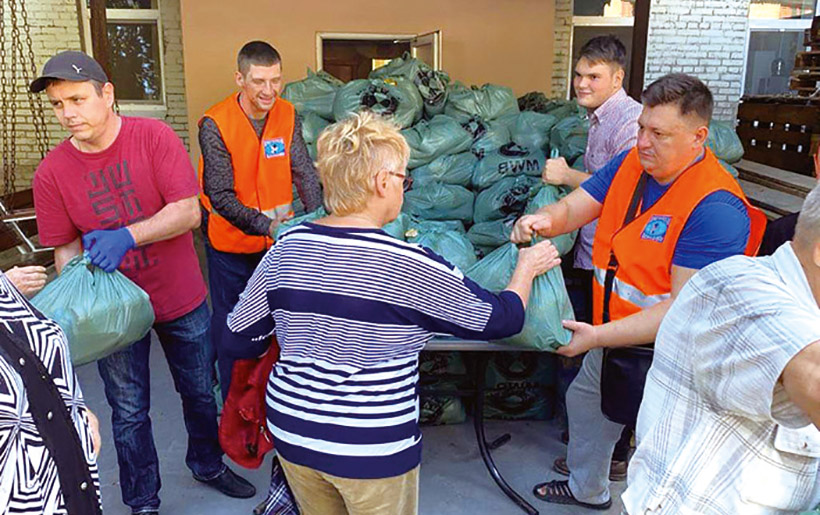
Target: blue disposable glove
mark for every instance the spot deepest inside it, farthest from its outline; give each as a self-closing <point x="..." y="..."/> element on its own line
<point x="107" y="248"/>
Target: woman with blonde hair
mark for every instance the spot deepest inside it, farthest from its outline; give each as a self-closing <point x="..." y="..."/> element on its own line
<point x="352" y="308"/>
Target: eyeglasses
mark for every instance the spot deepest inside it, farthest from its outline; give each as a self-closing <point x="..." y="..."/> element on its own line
<point x="407" y="181"/>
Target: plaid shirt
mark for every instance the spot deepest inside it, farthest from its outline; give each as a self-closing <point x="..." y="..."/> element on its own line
<point x="613" y="128"/>
<point x="716" y="432"/>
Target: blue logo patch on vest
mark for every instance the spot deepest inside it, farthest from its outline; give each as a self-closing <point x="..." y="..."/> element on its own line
<point x="274" y="147"/>
<point x="655" y="229"/>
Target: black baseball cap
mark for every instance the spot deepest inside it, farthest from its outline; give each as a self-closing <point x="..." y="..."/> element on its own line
<point x="69" y="65"/>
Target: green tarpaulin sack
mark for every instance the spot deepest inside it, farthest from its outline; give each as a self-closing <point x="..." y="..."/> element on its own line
<point x="396" y="99"/>
<point x="450" y="169"/>
<point x="432" y="85"/>
<point x="569" y="137"/>
<point x="508" y="161"/>
<point x="100" y="313"/>
<point x="293" y="222"/>
<point x="435" y="201"/>
<point x="415" y="227"/>
<point x="724" y="142"/>
<point x="507" y="197"/>
<point x="519" y="386"/>
<point x="532" y="130"/>
<point x="313" y="94"/>
<point x="451" y="245"/>
<point x="440" y="136"/>
<point x="493" y="234"/>
<point x="487" y="136"/>
<point x="548" y="304"/>
<point x="312" y="127"/>
<point x="397" y="227"/>
<point x="487" y="102"/>
<point x="547" y="195"/>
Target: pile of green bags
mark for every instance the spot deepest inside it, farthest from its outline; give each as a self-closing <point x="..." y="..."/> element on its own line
<point x="447" y="169"/>
<point x="99" y="312"/>
<point x="431" y="139"/>
<point x="439" y="374"/>
<point x="432" y="85"/>
<point x="509" y="160"/>
<point x="487" y="102"/>
<point x="396" y="99"/>
<point x="437" y="201"/>
<point x="519" y="386"/>
<point x="313" y="94"/>
<point x="508" y="196"/>
<point x="447" y="241"/>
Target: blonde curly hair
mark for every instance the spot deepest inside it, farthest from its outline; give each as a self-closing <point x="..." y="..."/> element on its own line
<point x="351" y="152"/>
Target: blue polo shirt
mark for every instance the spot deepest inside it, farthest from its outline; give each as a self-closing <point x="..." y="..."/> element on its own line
<point x="716" y="229"/>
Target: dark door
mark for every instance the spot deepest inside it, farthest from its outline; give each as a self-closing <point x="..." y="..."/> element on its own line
<point x="353" y="59"/>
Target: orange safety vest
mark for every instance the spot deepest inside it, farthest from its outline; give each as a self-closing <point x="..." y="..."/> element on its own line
<point x="261" y="171"/>
<point x="644" y="248"/>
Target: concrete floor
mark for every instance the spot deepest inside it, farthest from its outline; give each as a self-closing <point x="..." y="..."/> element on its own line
<point x="453" y="479"/>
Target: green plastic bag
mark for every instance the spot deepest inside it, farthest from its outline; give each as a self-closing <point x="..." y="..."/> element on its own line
<point x="313" y="94"/>
<point x="396" y="99"/>
<point x="293" y="222"/>
<point x="569" y="136"/>
<point x="432" y="85"/>
<point x="487" y="102"/>
<point x="507" y="197"/>
<point x="491" y="234"/>
<point x="547" y="195"/>
<point x="508" y="161"/>
<point x="431" y="139"/>
<point x="435" y="201"/>
<point x="519" y="386"/>
<point x="416" y="227"/>
<point x="532" y="130"/>
<point x="312" y="126"/>
<point x="724" y="142"/>
<point x="548" y="304"/>
<point x="100" y="313"/>
<point x="451" y="245"/>
<point x="397" y="227"/>
<point x="450" y="169"/>
<point x="487" y="136"/>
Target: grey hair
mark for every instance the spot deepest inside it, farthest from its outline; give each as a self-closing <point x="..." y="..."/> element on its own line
<point x="807" y="231"/>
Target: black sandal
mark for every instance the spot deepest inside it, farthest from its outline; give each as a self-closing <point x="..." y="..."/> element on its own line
<point x="558" y="492"/>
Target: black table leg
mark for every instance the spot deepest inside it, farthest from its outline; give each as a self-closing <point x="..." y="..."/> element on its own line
<point x="478" y="420"/>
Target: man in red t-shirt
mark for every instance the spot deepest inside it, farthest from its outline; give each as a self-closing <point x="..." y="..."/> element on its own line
<point x="123" y="190"/>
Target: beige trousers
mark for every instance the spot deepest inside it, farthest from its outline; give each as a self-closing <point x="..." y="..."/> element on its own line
<point x="318" y="493"/>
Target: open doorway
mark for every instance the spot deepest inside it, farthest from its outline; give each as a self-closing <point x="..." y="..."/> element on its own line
<point x="349" y="56"/>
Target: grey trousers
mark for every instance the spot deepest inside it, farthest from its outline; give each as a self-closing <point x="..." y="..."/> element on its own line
<point x="592" y="436"/>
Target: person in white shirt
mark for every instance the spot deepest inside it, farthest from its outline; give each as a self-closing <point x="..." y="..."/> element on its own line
<point x="730" y="414"/>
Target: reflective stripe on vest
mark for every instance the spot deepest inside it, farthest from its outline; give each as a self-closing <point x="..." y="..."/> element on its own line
<point x="628" y="292"/>
<point x="645" y="247"/>
<point x="261" y="169"/>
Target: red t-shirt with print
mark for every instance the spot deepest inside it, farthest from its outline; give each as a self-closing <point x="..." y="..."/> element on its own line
<point x="144" y="169"/>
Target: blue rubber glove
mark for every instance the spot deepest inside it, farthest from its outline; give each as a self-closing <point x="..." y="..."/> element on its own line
<point x="107" y="248"/>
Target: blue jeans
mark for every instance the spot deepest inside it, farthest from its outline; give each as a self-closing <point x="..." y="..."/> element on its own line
<point x="228" y="274"/>
<point x="126" y="375"/>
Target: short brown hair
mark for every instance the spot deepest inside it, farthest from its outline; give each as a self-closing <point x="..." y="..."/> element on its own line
<point x="258" y="53"/>
<point x="689" y="93"/>
<point x="604" y="49"/>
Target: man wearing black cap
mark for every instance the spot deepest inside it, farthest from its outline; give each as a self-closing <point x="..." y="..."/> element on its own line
<point x="123" y="190"/>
